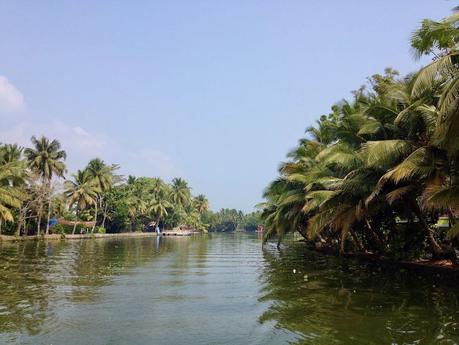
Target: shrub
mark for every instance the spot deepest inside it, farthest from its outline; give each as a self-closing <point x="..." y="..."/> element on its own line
<point x="58" y="229"/>
<point x="100" y="230"/>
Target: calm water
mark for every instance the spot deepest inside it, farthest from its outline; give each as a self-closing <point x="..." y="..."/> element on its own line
<point x="216" y="289"/>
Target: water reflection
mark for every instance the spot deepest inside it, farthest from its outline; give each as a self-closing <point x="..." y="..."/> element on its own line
<point x="333" y="301"/>
<point x="37" y="277"/>
<point x="217" y="289"/>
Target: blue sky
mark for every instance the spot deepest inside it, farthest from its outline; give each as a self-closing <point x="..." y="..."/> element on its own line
<point x="213" y="91"/>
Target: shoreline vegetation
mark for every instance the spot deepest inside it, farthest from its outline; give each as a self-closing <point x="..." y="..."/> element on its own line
<point x="423" y="265"/>
<point x="378" y="177"/>
<point x="38" y="199"/>
<point x="58" y="237"/>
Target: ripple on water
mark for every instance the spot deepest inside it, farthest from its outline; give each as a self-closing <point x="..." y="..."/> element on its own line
<point x="217" y="289"/>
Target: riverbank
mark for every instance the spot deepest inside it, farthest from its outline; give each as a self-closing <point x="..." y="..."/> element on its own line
<point x="58" y="237"/>
<point x="446" y="268"/>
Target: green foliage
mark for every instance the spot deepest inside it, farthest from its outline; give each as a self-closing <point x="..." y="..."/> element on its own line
<point x="94" y="194"/>
<point x="227" y="220"/>
<point x="59" y="229"/>
<point x="100" y="230"/>
<point x="46" y="157"/>
<point x="389" y="153"/>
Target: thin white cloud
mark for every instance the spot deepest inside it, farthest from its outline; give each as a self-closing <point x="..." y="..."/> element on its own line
<point x="80" y="144"/>
<point x="71" y="138"/>
<point x="11" y="99"/>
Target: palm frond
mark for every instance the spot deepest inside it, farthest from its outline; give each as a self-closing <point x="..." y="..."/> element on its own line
<point x="385" y="152"/>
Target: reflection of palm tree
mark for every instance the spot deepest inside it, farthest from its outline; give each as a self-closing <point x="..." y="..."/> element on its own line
<point x="317" y="299"/>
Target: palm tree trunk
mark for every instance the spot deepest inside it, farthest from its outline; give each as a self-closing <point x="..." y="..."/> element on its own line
<point x="39" y="219"/>
<point x="437" y="251"/>
<point x="74" y="228"/>
<point x="18" y="228"/>
<point x="357" y="241"/>
<point x="105" y="215"/>
<point x="0" y="226"/>
<point x="95" y="218"/>
<point x="49" y="216"/>
<point x="302" y="232"/>
<point x="378" y="240"/>
<point x="452" y="219"/>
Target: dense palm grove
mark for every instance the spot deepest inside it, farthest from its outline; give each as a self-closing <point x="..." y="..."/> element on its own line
<point x="379" y="172"/>
<point x="34" y="192"/>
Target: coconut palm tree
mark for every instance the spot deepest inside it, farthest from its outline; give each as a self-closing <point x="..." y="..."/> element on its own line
<point x="46" y="159"/>
<point x="201" y="204"/>
<point x="104" y="177"/>
<point x="11" y="195"/>
<point x="379" y="144"/>
<point x="10" y="153"/>
<point x="440" y="39"/>
<point x="158" y="208"/>
<point x="101" y="174"/>
<point x="82" y="192"/>
<point x="136" y="207"/>
<point x="180" y="193"/>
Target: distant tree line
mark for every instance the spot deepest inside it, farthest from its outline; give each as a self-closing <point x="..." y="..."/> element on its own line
<point x="227" y="220"/>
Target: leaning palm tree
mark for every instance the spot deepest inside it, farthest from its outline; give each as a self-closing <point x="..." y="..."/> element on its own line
<point x="82" y="192"/>
<point x="158" y="208"/>
<point x="440" y="40"/>
<point x="46" y="159"/>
